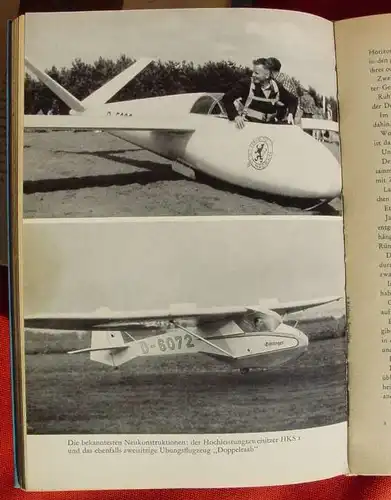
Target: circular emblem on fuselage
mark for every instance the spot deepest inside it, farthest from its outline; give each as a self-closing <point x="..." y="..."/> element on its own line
<point x="260" y="153"/>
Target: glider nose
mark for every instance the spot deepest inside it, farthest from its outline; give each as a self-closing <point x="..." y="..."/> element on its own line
<point x="328" y="174"/>
<point x="336" y="184"/>
<point x="300" y="166"/>
<point x="322" y="178"/>
<point x="303" y="342"/>
<point x="327" y="182"/>
<point x="302" y="339"/>
<point x="335" y="189"/>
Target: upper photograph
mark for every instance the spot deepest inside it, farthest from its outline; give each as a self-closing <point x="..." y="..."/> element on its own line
<point x="189" y="112"/>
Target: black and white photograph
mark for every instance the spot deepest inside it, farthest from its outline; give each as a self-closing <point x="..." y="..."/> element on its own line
<point x="213" y="325"/>
<point x="180" y="113"/>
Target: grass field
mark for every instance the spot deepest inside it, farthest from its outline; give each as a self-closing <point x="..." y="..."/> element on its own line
<point x="71" y="394"/>
<point x="87" y="174"/>
<point x="92" y="174"/>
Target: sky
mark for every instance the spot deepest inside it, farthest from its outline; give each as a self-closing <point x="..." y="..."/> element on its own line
<point x="303" y="43"/>
<point x="153" y="263"/>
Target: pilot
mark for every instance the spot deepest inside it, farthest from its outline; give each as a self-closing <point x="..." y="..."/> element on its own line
<point x="266" y="322"/>
<point x="282" y="78"/>
<point x="265" y="100"/>
<point x="259" y="324"/>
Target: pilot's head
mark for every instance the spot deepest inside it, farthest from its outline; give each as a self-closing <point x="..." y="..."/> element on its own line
<point x="259" y="324"/>
<point x="261" y="71"/>
<point x="274" y="65"/>
<point x="266" y="322"/>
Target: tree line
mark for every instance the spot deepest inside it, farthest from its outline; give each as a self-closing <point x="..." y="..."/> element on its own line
<point x="157" y="79"/>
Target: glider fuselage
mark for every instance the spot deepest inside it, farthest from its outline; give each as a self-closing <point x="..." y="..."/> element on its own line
<point x="275" y="159"/>
<point x="248" y="350"/>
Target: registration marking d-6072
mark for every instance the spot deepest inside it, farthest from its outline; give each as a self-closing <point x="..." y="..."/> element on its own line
<point x="167" y="343"/>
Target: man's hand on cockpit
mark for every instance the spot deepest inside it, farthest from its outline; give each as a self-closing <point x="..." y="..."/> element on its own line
<point x="239" y="122"/>
<point x="290" y="119"/>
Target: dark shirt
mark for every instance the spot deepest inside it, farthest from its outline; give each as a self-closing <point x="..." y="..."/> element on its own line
<point x="241" y="90"/>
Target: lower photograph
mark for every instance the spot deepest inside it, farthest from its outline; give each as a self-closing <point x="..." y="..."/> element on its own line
<point x="198" y="325"/>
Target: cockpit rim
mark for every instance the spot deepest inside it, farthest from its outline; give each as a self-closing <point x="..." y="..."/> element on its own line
<point x="207" y="103"/>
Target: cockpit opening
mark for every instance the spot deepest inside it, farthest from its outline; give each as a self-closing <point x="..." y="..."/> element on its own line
<point x="209" y="105"/>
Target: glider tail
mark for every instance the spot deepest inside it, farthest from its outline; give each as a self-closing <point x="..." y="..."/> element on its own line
<point x="71" y="101"/>
<point x="96" y="98"/>
<point x="109" y="89"/>
<point x="109" y="348"/>
<point x="110" y="344"/>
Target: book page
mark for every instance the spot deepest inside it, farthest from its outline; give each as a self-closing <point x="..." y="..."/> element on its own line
<point x="8" y="10"/>
<point x="363" y="48"/>
<point x="183" y="256"/>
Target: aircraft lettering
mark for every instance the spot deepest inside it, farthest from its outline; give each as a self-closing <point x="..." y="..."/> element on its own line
<point x="274" y="342"/>
<point x="166" y="344"/>
<point x="172" y="344"/>
<point x="118" y="113"/>
<point x="189" y="340"/>
<point x="162" y="345"/>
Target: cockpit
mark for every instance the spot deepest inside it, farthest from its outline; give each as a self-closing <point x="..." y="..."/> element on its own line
<point x="209" y="104"/>
<point x="266" y="322"/>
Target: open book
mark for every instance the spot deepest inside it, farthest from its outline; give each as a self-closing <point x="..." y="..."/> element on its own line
<point x="180" y="255"/>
